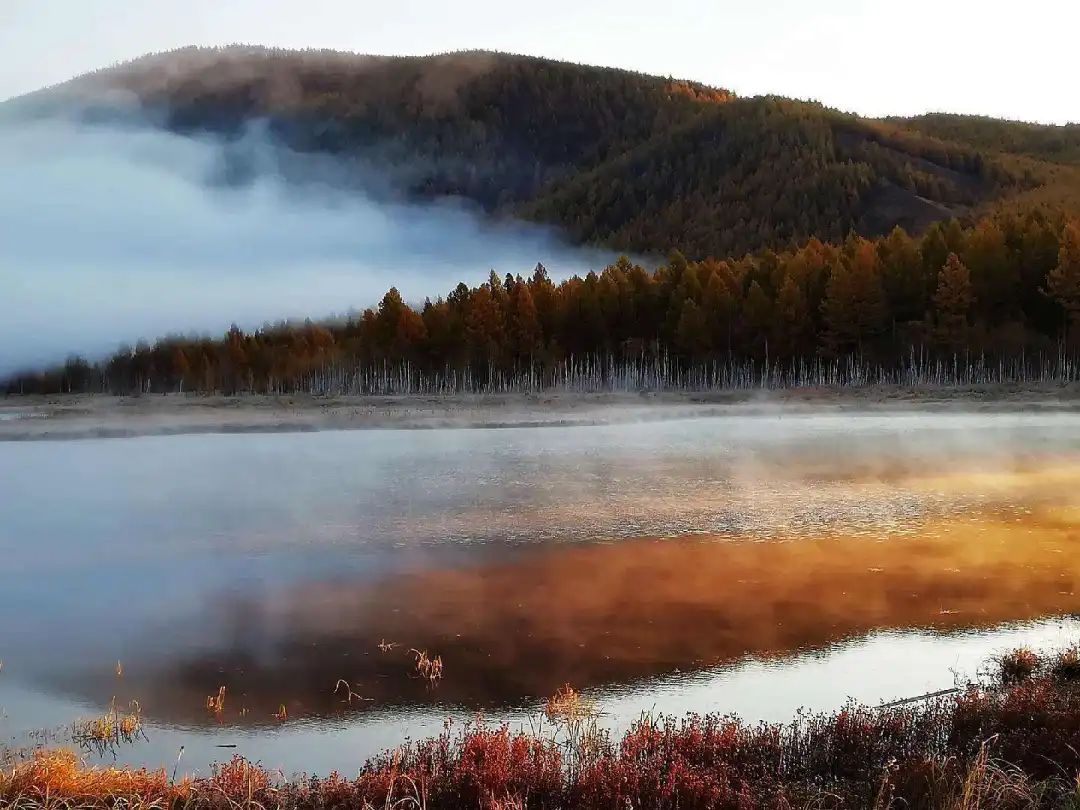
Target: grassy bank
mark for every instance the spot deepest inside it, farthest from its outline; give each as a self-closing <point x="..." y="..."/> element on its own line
<point x="1012" y="741"/>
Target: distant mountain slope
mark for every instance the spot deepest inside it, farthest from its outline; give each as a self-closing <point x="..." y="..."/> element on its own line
<point x="1059" y="144"/>
<point x="767" y="171"/>
<point x="636" y="162"/>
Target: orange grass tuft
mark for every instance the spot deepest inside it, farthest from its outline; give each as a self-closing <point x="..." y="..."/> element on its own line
<point x="569" y="706"/>
<point x="111" y="728"/>
<point x="52" y="778"/>
<point x="216" y="703"/>
<point x="430" y="669"/>
<point x="1018" y="665"/>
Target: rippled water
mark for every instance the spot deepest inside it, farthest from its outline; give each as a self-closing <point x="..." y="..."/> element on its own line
<point x="748" y="563"/>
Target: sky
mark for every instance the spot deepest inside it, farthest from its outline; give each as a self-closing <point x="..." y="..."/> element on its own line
<point x="868" y="56"/>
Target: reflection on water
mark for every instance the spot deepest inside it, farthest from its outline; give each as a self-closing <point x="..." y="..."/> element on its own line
<point x="602" y="614"/>
<point x="673" y="566"/>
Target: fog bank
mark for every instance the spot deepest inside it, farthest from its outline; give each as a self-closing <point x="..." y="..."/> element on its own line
<point x="112" y="234"/>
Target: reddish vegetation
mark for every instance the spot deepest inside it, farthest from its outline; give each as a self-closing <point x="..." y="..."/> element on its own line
<point x="945" y="753"/>
<point x="699" y="92"/>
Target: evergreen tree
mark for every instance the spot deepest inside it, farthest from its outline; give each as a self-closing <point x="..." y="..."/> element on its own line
<point x="905" y="281"/>
<point x="524" y="323"/>
<point x="757" y="317"/>
<point x="1063" y="282"/>
<point x="952" y="305"/>
<point x="794" y="329"/>
<point x="854" y="306"/>
<point x="692" y="336"/>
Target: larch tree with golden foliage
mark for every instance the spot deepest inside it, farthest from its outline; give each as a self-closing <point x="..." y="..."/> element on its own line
<point x="1063" y="282"/>
<point x="854" y="306"/>
<point x="953" y="300"/>
<point x="794" y="329"/>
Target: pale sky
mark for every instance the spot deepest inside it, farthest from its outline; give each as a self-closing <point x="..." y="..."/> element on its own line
<point x="1007" y="59"/>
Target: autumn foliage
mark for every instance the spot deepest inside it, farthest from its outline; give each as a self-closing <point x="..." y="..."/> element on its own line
<point x="1012" y="743"/>
<point x="1006" y="287"/>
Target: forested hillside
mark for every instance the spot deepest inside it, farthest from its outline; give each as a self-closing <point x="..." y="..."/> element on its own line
<point x="635" y="162"/>
<point x="796" y="234"/>
<point x="1002" y="294"/>
<point x="1059" y="144"/>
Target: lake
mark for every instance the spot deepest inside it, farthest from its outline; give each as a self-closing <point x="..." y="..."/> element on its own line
<point x="751" y="563"/>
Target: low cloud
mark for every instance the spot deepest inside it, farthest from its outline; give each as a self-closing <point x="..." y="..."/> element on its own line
<point x="112" y="234"/>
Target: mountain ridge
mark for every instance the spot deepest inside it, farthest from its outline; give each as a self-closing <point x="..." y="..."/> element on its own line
<point x="612" y="157"/>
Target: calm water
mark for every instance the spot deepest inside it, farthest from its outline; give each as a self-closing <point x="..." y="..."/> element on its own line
<point x="751" y="564"/>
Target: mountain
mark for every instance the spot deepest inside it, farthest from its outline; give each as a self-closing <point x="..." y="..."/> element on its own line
<point x="1056" y="144"/>
<point x="639" y="163"/>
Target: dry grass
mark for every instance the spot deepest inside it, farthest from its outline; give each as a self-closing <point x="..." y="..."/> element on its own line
<point x="1018" y="665"/>
<point x="428" y="668"/>
<point x="343" y="687"/>
<point x="216" y="703"/>
<point x="57" y="779"/>
<point x="569" y="706"/>
<point x="1007" y="744"/>
<point x="110" y="729"/>
<point x="1066" y="666"/>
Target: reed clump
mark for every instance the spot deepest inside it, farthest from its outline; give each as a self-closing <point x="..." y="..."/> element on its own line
<point x="1017" y="665"/>
<point x="1066" y="666"/>
<point x="216" y="703"/>
<point x="58" y="779"/>
<point x="427" y="667"/>
<point x="568" y="705"/>
<point x="110" y="729"/>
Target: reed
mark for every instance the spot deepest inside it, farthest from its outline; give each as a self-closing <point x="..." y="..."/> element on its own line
<point x="428" y="668"/>
<point x="216" y="703"/>
<point x="110" y="729"/>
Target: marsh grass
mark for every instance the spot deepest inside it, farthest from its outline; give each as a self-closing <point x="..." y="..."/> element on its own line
<point x="428" y="668"/>
<point x="1011" y="743"/>
<point x="573" y="719"/>
<point x="108" y="731"/>
<point x="1017" y="665"/>
<point x="216" y="703"/>
<point x="343" y="687"/>
<point x="1066" y="666"/>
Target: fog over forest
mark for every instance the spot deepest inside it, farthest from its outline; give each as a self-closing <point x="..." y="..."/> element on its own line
<point x="114" y="233"/>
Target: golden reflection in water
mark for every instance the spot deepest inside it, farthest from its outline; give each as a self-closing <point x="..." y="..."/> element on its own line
<point x="886" y="495"/>
<point x="605" y="613"/>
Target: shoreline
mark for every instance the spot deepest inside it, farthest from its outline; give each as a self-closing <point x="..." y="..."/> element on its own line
<point x="1011" y="734"/>
<point x="97" y="416"/>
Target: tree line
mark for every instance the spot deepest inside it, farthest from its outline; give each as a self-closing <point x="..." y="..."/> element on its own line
<point x="1002" y="288"/>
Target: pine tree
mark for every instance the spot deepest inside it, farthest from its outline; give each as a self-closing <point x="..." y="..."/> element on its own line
<point x="757" y="315"/>
<point x="993" y="275"/>
<point x="1063" y="282"/>
<point x="854" y="306"/>
<point x="906" y="286"/>
<point x="952" y="305"/>
<point x="524" y="323"/>
<point x="720" y="302"/>
<point x="692" y="332"/>
<point x="794" y="328"/>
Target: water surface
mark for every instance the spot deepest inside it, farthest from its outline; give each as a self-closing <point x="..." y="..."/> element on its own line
<point x="751" y="564"/>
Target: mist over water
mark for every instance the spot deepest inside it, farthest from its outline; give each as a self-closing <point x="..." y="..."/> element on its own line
<point x="753" y="562"/>
<point x="114" y="233"/>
